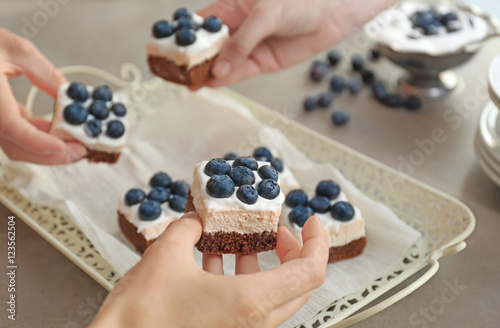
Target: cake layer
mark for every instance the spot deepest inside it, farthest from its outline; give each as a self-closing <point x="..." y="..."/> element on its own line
<point x="168" y="70"/>
<point x="237" y="243"/>
<point x="353" y="249"/>
<point x="96" y="156"/>
<point x="130" y="231"/>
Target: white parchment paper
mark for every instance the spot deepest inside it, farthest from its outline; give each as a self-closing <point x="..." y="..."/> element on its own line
<point x="177" y="135"/>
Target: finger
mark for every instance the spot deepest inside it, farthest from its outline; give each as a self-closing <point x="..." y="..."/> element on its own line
<point x="288" y="247"/>
<point x="40" y="123"/>
<point x="213" y="263"/>
<point x="246" y="263"/>
<point x="231" y="12"/>
<point x="285" y="311"/>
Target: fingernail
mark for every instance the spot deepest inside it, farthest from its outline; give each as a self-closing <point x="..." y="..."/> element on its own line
<point x="76" y="153"/>
<point x="221" y="68"/>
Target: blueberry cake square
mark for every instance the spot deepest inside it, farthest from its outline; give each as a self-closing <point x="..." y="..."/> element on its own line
<point x="342" y="221"/>
<point x="144" y="216"/>
<point x="96" y="117"/>
<point x="183" y="50"/>
<point x="239" y="203"/>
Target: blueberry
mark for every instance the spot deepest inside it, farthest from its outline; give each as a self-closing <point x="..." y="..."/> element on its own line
<point x="217" y="166"/>
<point x="184" y="22"/>
<point x="75" y="113"/>
<point x="160" y="179"/>
<point x="354" y="85"/>
<point x="185" y="36"/>
<point x="311" y="103"/>
<point x="357" y="62"/>
<point x="177" y="203"/>
<point x="119" y="109"/>
<point x="247" y="194"/>
<point x="163" y="29"/>
<point x="268" y="189"/>
<point x="268" y="172"/>
<point x="115" y="129"/>
<point x="220" y="186"/>
<point x="379" y="91"/>
<point x="159" y="194"/>
<point x="103" y="92"/>
<point x="247" y="161"/>
<point x="328" y="189"/>
<point x="134" y="196"/>
<point x="318" y="71"/>
<point x="342" y="211"/>
<point x="319" y="204"/>
<point x="230" y="156"/>
<point x="212" y="24"/>
<point x="340" y="117"/>
<point x="77" y="92"/>
<point x="300" y="214"/>
<point x="99" y="110"/>
<point x="413" y="103"/>
<point x="367" y="76"/>
<point x="149" y="210"/>
<point x="263" y="152"/>
<point x="423" y="18"/>
<point x="430" y="30"/>
<point x="394" y="100"/>
<point x="182" y="12"/>
<point x="277" y="164"/>
<point x="179" y="188"/>
<point x="449" y="17"/>
<point x="242" y="175"/>
<point x="334" y="57"/>
<point x="295" y="198"/>
<point x="337" y="83"/>
<point x="325" y="99"/>
<point x="373" y="54"/>
<point x="93" y="128"/>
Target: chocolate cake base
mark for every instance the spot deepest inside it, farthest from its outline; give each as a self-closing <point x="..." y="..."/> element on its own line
<point x="130" y="231"/>
<point x="168" y="70"/>
<point x="95" y="156"/>
<point x="353" y="249"/>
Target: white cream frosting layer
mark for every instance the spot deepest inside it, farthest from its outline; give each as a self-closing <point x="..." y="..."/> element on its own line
<point x="395" y="26"/>
<point x="230" y="214"/>
<point x="206" y="46"/>
<point x="67" y="131"/>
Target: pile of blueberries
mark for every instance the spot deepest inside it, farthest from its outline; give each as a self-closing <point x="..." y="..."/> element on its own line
<point x="163" y="190"/>
<point x="337" y="84"/>
<point x="93" y="115"/>
<point x="326" y="193"/>
<point x="184" y="27"/>
<point x="430" y="22"/>
<point x="262" y="154"/>
<point x="224" y="179"/>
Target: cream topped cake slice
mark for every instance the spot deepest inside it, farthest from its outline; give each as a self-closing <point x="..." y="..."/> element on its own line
<point x="143" y="217"/>
<point x="239" y="203"/>
<point x="96" y="117"/>
<point x="342" y="221"/>
<point x="182" y="51"/>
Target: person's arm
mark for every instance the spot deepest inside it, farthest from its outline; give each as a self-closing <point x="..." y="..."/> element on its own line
<point x="269" y="35"/>
<point x="168" y="289"/>
<point x="22" y="136"/>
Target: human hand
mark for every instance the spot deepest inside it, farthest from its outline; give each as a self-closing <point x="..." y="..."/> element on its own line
<point x="22" y="136"/>
<point x="168" y="289"/>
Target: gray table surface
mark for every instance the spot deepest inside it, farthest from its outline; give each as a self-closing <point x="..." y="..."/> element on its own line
<point x="53" y="292"/>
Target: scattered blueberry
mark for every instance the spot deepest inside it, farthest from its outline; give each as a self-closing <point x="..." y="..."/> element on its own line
<point x="77" y="92"/>
<point x="379" y="91"/>
<point x="242" y="175"/>
<point x="334" y="57"/>
<point x="263" y="152"/>
<point x="277" y="164"/>
<point x="318" y="71"/>
<point x="357" y="62"/>
<point x="325" y="99"/>
<point x="185" y="36"/>
<point x="212" y="24"/>
<point x="93" y="128"/>
<point x="75" y="113"/>
<point x="159" y="194"/>
<point x="220" y="186"/>
<point x="177" y="203"/>
<point x="342" y="211"/>
<point x="354" y="85"/>
<point x="149" y="210"/>
<point x="413" y="103"/>
<point x="247" y="194"/>
<point x="328" y="189"/>
<point x="268" y="172"/>
<point x="119" y="109"/>
<point x="182" y="12"/>
<point x="368" y="76"/>
<point x="134" y="196"/>
<point x="217" y="166"/>
<point x="247" y="161"/>
<point x="115" y="129"/>
<point x="184" y="22"/>
<point x="160" y="179"/>
<point x="179" y="188"/>
<point x="337" y="83"/>
<point x="103" y="92"/>
<point x="296" y="197"/>
<point x="320" y="204"/>
<point x="340" y="117"/>
<point x="373" y="54"/>
<point x="163" y="29"/>
<point x="230" y="156"/>
<point x="300" y="214"/>
<point x="311" y="103"/>
<point x="394" y="100"/>
<point x="268" y="189"/>
<point x="99" y="110"/>
<point x="447" y="18"/>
